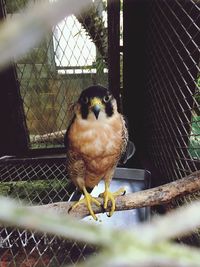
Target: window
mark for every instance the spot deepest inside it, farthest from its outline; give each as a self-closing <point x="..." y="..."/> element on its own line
<point x="72" y="46"/>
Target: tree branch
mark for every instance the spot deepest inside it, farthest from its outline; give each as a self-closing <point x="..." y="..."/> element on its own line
<point x="49" y="137"/>
<point x="146" y="198"/>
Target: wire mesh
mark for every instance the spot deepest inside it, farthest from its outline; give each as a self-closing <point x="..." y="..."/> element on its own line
<point x="37" y="181"/>
<point x="173" y="93"/>
<point x="70" y="58"/>
<point x="172" y="87"/>
<point x="22" y="248"/>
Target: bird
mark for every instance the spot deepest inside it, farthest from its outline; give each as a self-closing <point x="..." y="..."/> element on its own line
<point x="96" y="140"/>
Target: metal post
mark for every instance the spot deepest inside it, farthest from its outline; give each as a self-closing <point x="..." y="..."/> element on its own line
<point x="114" y="49"/>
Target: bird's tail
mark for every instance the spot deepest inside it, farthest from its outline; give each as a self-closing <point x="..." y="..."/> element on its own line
<point x="76" y="195"/>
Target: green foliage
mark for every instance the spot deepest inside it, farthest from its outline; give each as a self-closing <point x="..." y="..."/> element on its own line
<point x="14" y="6"/>
<point x="194" y="145"/>
<point x="197" y="96"/>
<point x="34" y="190"/>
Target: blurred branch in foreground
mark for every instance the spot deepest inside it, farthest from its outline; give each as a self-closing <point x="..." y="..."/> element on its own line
<point x="146" y="245"/>
<point x="20" y="33"/>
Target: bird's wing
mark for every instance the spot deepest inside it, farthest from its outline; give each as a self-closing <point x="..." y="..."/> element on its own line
<point x="66" y="141"/>
<point x="128" y="149"/>
<point x="76" y="194"/>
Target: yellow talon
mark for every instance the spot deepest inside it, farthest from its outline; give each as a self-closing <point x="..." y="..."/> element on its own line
<point x="107" y="195"/>
<point x="87" y="200"/>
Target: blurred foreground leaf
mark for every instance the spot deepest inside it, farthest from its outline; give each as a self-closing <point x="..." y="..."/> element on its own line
<point x="146" y="245"/>
<point x="22" y="32"/>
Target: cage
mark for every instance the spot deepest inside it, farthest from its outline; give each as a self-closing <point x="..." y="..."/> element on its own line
<point x="166" y="53"/>
<point x="147" y="53"/>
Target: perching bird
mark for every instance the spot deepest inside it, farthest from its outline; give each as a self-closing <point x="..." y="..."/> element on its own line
<point x="96" y="140"/>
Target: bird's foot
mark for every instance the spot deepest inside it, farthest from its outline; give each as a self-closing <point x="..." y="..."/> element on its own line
<point x="88" y="200"/>
<point x="107" y="195"/>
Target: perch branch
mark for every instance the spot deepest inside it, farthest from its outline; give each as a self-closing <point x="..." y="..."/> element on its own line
<point x="49" y="137"/>
<point x="146" y="198"/>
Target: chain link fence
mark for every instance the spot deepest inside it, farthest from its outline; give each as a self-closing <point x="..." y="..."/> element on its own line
<point x="70" y="58"/>
<point x="172" y="87"/>
<point x="173" y="94"/>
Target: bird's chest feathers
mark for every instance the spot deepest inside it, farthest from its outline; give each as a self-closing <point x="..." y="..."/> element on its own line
<point x="97" y="138"/>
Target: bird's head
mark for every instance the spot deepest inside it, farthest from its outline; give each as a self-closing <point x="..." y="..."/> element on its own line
<point x="96" y="103"/>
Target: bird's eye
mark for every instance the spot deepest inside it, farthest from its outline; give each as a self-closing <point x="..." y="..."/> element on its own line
<point x="85" y="100"/>
<point x="107" y="98"/>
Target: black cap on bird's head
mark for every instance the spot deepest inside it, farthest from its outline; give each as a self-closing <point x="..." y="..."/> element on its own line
<point x="95" y="99"/>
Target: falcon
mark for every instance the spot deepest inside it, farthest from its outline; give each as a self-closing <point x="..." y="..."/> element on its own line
<point x="95" y="141"/>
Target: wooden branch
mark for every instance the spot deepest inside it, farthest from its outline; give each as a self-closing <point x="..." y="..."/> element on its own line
<point x="145" y="198"/>
<point x="49" y="137"/>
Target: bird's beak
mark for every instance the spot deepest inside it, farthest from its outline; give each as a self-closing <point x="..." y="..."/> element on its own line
<point x="96" y="106"/>
<point x="96" y="109"/>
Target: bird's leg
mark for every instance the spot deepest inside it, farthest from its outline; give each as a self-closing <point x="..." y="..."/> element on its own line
<point x="87" y="200"/>
<point x="107" y="195"/>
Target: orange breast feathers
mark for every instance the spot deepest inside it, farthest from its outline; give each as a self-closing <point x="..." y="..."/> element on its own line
<point x="99" y="143"/>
